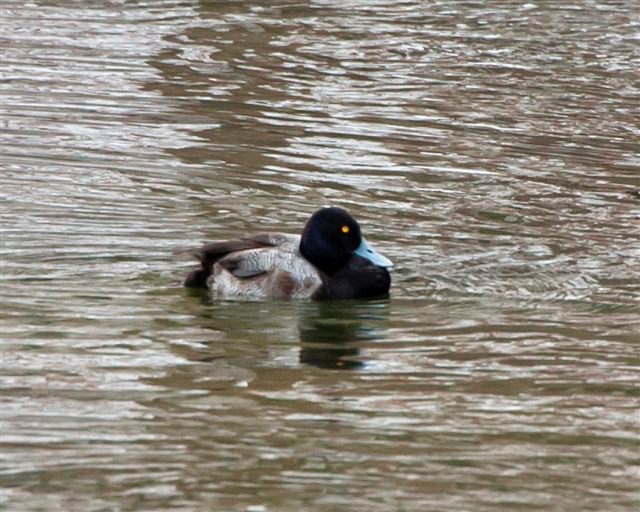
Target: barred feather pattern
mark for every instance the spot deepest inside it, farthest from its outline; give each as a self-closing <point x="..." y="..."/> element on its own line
<point x="275" y="272"/>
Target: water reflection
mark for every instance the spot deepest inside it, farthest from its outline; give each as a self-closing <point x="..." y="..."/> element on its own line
<point x="330" y="332"/>
<point x="326" y="334"/>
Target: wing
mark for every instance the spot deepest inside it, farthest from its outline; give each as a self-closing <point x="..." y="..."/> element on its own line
<point x="210" y="253"/>
<point x="249" y="263"/>
<point x="264" y="273"/>
<point x="276" y="252"/>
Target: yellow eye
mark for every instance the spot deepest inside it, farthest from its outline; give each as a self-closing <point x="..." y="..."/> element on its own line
<point x="345" y="229"/>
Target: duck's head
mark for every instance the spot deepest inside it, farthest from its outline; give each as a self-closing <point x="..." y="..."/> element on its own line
<point x="332" y="237"/>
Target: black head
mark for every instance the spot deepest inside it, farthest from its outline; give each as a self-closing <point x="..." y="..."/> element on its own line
<point x="330" y="238"/>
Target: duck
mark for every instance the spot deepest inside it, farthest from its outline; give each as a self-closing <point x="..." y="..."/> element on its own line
<point x="330" y="260"/>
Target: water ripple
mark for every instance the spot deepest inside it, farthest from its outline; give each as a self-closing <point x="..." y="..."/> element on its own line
<point x="489" y="149"/>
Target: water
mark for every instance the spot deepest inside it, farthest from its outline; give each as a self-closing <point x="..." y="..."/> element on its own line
<point x="489" y="148"/>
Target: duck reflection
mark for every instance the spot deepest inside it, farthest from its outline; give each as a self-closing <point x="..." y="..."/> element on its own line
<point x="331" y="332"/>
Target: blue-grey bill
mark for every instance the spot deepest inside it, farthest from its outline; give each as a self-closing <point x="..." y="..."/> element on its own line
<point x="368" y="252"/>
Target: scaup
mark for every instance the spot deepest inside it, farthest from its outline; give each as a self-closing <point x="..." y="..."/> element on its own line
<point x="330" y="260"/>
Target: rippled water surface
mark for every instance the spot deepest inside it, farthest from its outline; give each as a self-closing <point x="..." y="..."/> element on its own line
<point x="489" y="148"/>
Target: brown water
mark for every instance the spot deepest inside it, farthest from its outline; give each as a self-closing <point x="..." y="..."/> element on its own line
<point x="489" y="148"/>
